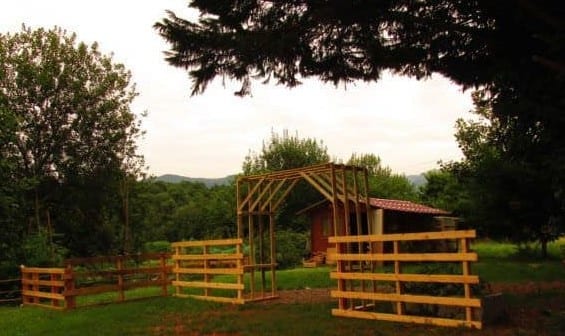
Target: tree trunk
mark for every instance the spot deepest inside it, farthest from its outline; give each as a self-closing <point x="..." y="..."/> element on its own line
<point x="544" y="248"/>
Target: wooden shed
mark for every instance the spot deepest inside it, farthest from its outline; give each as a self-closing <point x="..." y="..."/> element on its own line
<point x="388" y="216"/>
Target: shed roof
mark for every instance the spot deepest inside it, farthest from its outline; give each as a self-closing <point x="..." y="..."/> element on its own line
<point x="391" y="205"/>
<point x="405" y="206"/>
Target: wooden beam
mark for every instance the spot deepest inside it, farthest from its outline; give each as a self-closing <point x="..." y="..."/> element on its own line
<point x="250" y="194"/>
<point x="405" y="236"/>
<point x="277" y="203"/>
<point x="317" y="186"/>
<point x="444" y="322"/>
<point x="471" y="256"/>
<point x="435" y="278"/>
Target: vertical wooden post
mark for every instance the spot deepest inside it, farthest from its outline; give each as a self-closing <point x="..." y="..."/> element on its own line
<point x="341" y="284"/>
<point x="119" y="268"/>
<point x="397" y="271"/>
<point x="24" y="276"/>
<point x="35" y="286"/>
<point x="261" y="254"/>
<point x="273" y="251"/>
<point x="205" y="251"/>
<point x="466" y="272"/>
<point x="164" y="274"/>
<point x="251" y="234"/>
<point x="238" y="248"/>
<point x="54" y="289"/>
<point x="68" y="292"/>
<point x="177" y="269"/>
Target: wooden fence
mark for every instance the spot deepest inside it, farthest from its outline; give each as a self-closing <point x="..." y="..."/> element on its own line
<point x="10" y="291"/>
<point x="368" y="289"/>
<point x="44" y="286"/>
<point x="59" y="288"/>
<point x="210" y="270"/>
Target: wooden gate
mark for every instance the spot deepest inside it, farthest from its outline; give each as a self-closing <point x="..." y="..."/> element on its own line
<point x="209" y="269"/>
<point x="400" y="285"/>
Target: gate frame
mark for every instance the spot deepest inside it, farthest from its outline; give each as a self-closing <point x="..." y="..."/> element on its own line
<point x="260" y="196"/>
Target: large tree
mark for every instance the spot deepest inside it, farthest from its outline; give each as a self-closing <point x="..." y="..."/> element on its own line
<point x="471" y="42"/>
<point x="72" y="135"/>
<point x="508" y="191"/>
<point x="286" y="151"/>
<point x="383" y="183"/>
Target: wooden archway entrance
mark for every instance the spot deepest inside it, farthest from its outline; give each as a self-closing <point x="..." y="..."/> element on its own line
<point x="260" y="196"/>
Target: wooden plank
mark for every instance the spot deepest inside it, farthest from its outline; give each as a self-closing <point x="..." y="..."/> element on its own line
<point x="263" y="298"/>
<point x="92" y="290"/>
<point x="393" y="297"/>
<point x="52" y="283"/>
<point x="317" y="186"/>
<point x="9" y="280"/>
<point x="213" y="298"/>
<point x="208" y="270"/>
<point x="32" y="270"/>
<point x="125" y="271"/>
<point x="217" y="242"/>
<point x="437" y="278"/>
<point x="404" y="236"/>
<point x="231" y="256"/>
<point x="470" y="256"/>
<point x="202" y="284"/>
<point x="45" y="295"/>
<point x="444" y="322"/>
<point x="43" y="305"/>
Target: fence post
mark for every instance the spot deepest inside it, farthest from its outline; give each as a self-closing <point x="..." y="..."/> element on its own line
<point x="23" y="275"/>
<point x="68" y="291"/>
<point x="120" y="267"/>
<point x="164" y="274"/>
<point x="54" y="289"/>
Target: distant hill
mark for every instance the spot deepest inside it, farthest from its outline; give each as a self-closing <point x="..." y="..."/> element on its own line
<point x="417" y="180"/>
<point x="209" y="182"/>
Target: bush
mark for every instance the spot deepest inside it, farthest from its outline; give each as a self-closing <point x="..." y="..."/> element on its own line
<point x="158" y="246"/>
<point x="291" y="248"/>
<point x="40" y="251"/>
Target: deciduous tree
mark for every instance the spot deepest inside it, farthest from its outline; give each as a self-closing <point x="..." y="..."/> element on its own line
<point x="72" y="133"/>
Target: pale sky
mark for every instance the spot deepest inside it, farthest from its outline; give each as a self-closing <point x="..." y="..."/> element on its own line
<point x="408" y="123"/>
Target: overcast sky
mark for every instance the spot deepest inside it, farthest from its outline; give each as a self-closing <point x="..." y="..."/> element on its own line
<point x="408" y="123"/>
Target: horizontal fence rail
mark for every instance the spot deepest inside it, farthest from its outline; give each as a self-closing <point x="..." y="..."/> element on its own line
<point x="10" y="291"/>
<point x="401" y="284"/>
<point x="210" y="270"/>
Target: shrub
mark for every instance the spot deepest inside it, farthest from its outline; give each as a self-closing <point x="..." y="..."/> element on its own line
<point x="291" y="248"/>
<point x="158" y="246"/>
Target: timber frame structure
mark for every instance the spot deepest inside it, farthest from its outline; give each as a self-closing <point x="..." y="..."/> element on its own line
<point x="260" y="196"/>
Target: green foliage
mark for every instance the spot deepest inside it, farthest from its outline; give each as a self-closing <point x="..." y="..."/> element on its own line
<point x="157" y="246"/>
<point x="40" y="251"/>
<point x="443" y="191"/>
<point x="383" y="183"/>
<point x="508" y="195"/>
<point x="291" y="248"/>
<point x="282" y="152"/>
<point x="68" y="139"/>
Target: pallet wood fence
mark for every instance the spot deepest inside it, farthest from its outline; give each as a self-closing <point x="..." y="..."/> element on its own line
<point x="10" y="291"/>
<point x="59" y="288"/>
<point x="203" y="270"/>
<point x="366" y="290"/>
<point x="44" y="287"/>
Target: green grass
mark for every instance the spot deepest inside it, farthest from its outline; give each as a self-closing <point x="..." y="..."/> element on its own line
<point x="502" y="250"/>
<point x="498" y="263"/>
